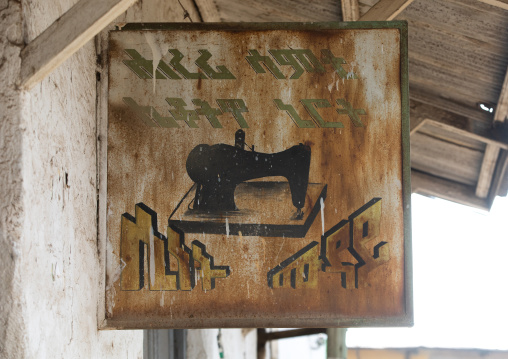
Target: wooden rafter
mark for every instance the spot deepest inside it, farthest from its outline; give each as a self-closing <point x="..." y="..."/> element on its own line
<point x="429" y="185"/>
<point x="350" y="10"/>
<point x="499" y="178"/>
<point x="423" y="113"/>
<point x="450" y="106"/>
<point x="492" y="151"/>
<point x="495" y="138"/>
<point x="385" y="10"/>
<point x="208" y="10"/>
<point x="67" y="35"/>
<point x="502" y="104"/>
<point x="487" y="170"/>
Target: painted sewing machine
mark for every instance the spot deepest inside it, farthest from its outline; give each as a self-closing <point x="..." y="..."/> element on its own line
<point x="227" y="198"/>
<point x="218" y="169"/>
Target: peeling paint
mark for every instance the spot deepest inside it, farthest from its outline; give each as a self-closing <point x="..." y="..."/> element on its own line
<point x="322" y="204"/>
<point x="158" y="52"/>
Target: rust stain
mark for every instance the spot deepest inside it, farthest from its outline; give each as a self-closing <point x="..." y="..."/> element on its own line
<point x="148" y="165"/>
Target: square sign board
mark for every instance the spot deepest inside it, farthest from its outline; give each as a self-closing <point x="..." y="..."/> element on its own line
<point x="258" y="176"/>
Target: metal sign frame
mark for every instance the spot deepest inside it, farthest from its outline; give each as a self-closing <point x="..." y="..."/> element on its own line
<point x="114" y="268"/>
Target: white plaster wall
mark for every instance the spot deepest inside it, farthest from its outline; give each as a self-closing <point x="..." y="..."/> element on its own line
<point x="49" y="268"/>
<point x="236" y="344"/>
<point x="59" y="252"/>
<point x="11" y="209"/>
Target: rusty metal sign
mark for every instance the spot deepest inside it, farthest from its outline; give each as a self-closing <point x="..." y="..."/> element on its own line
<point x="258" y="176"/>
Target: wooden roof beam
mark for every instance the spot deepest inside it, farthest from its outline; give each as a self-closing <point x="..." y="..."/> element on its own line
<point x="208" y="10"/>
<point x="487" y="170"/>
<point x="503" y="4"/>
<point x="497" y="139"/>
<point x="429" y="185"/>
<point x="502" y="104"/>
<point x="66" y="36"/>
<point x="492" y="151"/>
<point x="385" y="10"/>
<point x="421" y="113"/>
<point x="450" y="106"/>
<point x="499" y="178"/>
<point x="350" y="10"/>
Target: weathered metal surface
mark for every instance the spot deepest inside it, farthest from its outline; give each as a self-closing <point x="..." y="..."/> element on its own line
<point x="300" y="220"/>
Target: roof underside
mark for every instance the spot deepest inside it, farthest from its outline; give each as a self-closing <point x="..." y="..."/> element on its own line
<point x="458" y="57"/>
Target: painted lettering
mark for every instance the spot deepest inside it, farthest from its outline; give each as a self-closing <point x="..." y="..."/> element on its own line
<point x="143" y="67"/>
<point x="312" y="106"/>
<point x="298" y="271"/>
<point x="255" y="60"/>
<point x="179" y="112"/>
<point x="301" y="60"/>
<point x="236" y="107"/>
<point x="350" y="248"/>
<point x="147" y="256"/>
<point x="149" y="115"/>
<point x="328" y="58"/>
